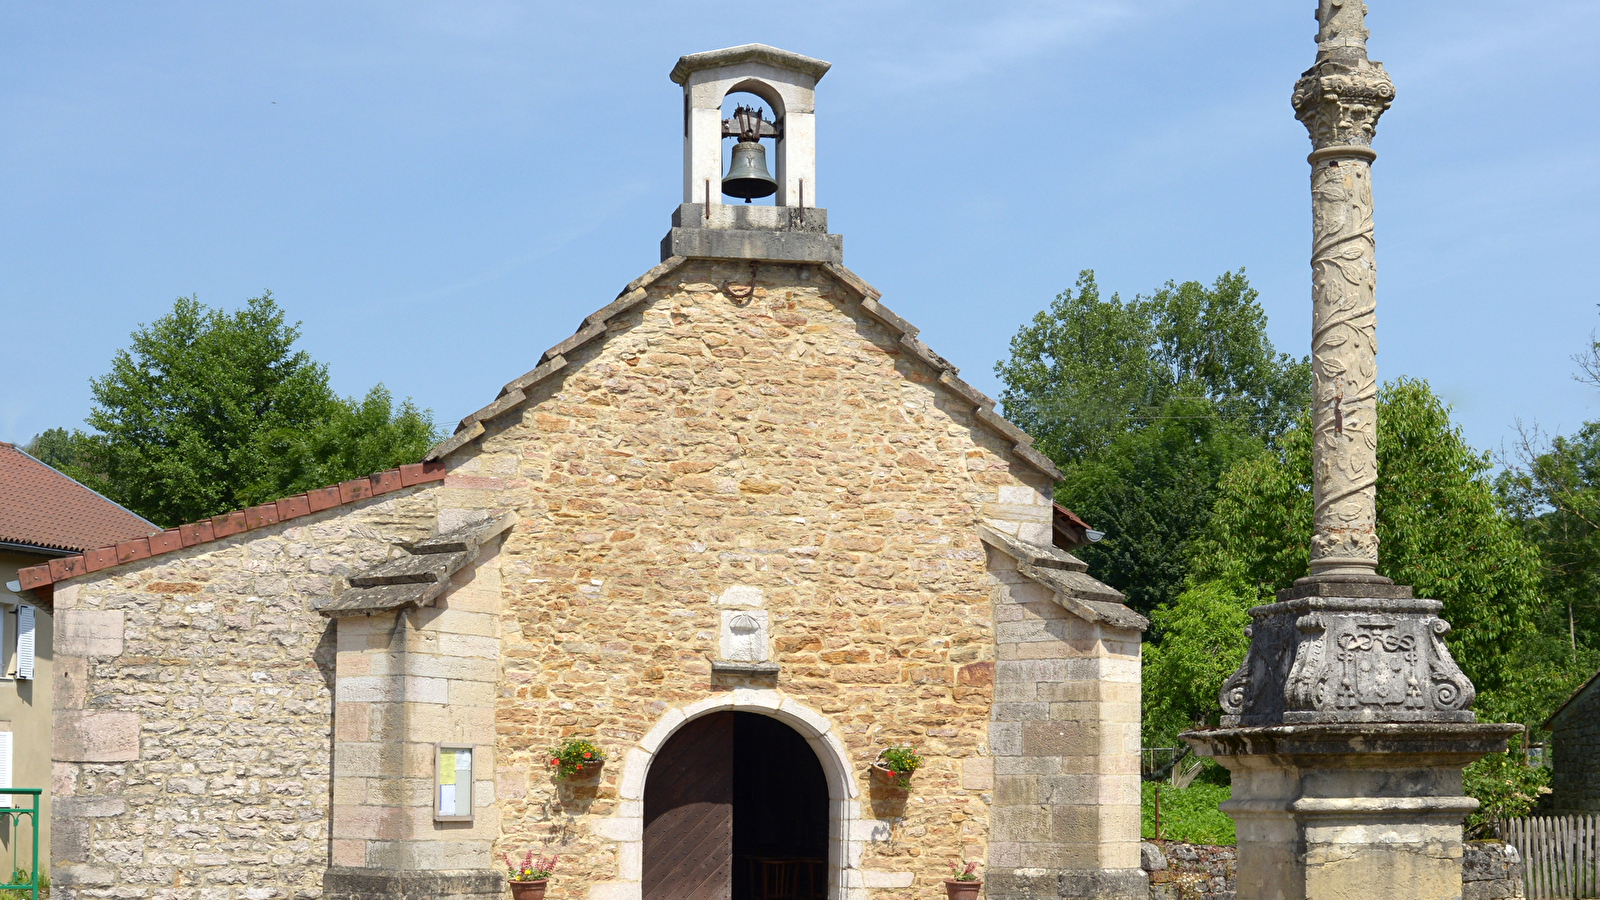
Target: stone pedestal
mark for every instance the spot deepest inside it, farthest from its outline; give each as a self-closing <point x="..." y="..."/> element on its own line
<point x="1358" y="811"/>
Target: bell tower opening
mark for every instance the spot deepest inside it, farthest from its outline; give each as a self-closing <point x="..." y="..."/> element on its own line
<point x="751" y="130"/>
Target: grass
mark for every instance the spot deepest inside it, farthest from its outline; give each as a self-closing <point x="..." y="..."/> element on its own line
<point x="1188" y="815"/>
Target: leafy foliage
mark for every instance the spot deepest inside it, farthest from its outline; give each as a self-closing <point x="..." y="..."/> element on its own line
<point x="902" y="761"/>
<point x="54" y="447"/>
<point x="1552" y="492"/>
<point x="1188" y="815"/>
<point x="573" y="756"/>
<point x="1439" y="531"/>
<point x="210" y="411"/>
<point x="531" y="868"/>
<point x="1505" y="787"/>
<point x="1143" y="405"/>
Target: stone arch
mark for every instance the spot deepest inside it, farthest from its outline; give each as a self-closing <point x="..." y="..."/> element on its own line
<point x="760" y="87"/>
<point x="848" y="830"/>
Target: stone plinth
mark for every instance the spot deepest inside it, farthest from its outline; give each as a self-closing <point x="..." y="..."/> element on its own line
<point x="1326" y="812"/>
<point x="1331" y="652"/>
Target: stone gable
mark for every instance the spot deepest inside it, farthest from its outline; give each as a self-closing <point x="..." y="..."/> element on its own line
<point x="792" y="465"/>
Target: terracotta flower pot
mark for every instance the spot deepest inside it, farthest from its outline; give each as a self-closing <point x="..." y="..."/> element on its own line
<point x="962" y="890"/>
<point x="883" y="771"/>
<point x="529" y="890"/>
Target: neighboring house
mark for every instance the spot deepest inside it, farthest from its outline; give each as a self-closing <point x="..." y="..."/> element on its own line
<point x="1574" y="750"/>
<point x="44" y="515"/>
<point x="743" y="530"/>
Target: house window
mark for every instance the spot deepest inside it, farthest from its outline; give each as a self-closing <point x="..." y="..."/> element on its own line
<point x="452" y="794"/>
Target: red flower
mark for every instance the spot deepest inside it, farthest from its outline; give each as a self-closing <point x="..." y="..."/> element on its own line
<point x="555" y="762"/>
<point x="586" y="756"/>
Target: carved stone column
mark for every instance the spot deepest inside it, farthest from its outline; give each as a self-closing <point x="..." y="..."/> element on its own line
<point x="1339" y="99"/>
<point x="1348" y="724"/>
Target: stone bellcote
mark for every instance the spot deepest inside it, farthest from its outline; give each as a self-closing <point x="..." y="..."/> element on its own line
<point x="793" y="229"/>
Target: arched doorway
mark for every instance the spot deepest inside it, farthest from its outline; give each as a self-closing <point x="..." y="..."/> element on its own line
<point x="735" y="808"/>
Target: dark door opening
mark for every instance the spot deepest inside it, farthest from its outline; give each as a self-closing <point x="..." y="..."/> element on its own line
<point x="780" y="813"/>
<point x="735" y="808"/>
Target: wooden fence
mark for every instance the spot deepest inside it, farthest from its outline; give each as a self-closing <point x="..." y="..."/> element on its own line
<point x="1561" y="854"/>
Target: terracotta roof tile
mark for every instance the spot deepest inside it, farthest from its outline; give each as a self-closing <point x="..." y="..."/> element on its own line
<point x="157" y="541"/>
<point x="44" y="508"/>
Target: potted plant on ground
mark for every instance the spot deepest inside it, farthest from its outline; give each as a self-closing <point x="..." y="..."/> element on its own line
<point x="575" y="757"/>
<point x="963" y="883"/>
<point x="529" y="880"/>
<point x="897" y="764"/>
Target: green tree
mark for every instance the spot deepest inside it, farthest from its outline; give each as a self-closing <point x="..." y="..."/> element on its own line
<point x="1143" y="405"/>
<point x="54" y="447"/>
<point x="1439" y="530"/>
<point x="210" y="411"/>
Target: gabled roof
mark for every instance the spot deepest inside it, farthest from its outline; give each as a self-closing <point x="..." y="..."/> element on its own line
<point x="593" y="327"/>
<point x="43" y="508"/>
<point x="228" y="524"/>
<point x="1593" y="680"/>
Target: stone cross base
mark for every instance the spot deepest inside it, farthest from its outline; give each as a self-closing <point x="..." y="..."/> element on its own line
<point x="1364" y="812"/>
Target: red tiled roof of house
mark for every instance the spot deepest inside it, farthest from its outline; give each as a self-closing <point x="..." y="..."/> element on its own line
<point x="229" y="524"/>
<point x="41" y="507"/>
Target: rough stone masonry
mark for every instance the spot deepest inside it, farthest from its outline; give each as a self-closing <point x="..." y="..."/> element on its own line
<point x="744" y="485"/>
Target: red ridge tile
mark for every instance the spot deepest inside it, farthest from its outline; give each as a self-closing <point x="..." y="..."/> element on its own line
<point x="323" y="498"/>
<point x="293" y="507"/>
<point x="34" y="576"/>
<point x="257" y="516"/>
<point x="65" y="567"/>
<point x="103" y="558"/>
<point x="384" y="482"/>
<point x="229" y="524"/>
<point x="351" y="491"/>
<point x="128" y="551"/>
<point x="165" y="542"/>
<point x="198" y="533"/>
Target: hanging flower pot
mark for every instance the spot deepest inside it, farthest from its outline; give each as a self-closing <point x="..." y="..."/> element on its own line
<point x="896" y="764"/>
<point x="575" y="757"/>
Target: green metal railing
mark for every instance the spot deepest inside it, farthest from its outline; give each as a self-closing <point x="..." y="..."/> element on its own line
<point x="19" y="879"/>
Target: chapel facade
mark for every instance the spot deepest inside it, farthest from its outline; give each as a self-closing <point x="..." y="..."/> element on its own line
<point x="742" y="531"/>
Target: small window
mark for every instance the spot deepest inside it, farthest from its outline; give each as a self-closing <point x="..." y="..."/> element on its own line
<point x="453" y="783"/>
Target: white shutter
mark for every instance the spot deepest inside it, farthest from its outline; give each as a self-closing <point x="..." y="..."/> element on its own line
<point x="24" y="642"/>
<point x="5" y="766"/>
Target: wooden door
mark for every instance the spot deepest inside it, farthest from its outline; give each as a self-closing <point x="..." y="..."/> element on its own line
<point x="688" y="814"/>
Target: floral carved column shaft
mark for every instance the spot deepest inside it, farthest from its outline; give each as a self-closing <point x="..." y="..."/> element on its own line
<point x="1339" y="99"/>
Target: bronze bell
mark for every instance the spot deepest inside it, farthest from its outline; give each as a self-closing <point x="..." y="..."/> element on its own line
<point x="747" y="172"/>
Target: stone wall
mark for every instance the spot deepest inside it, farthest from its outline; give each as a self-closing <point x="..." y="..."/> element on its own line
<point x="1491" y="870"/>
<point x="1190" y="871"/>
<point x="407" y="681"/>
<point x="193" y="709"/>
<point x="1575" y="755"/>
<point x="787" y="450"/>
<point x="1064" y="735"/>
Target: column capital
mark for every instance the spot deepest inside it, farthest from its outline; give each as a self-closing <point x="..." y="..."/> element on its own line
<point x="1340" y="98"/>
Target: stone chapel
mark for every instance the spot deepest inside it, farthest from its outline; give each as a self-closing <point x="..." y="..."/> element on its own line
<point x="742" y="531"/>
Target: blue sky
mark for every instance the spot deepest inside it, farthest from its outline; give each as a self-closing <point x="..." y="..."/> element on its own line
<point x="439" y="191"/>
